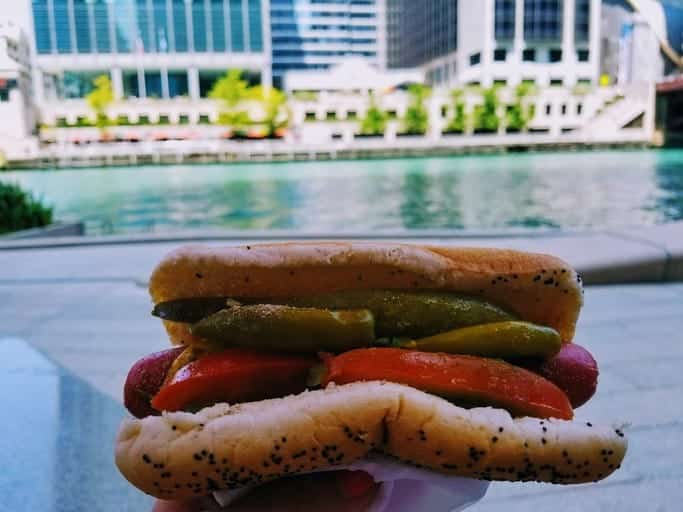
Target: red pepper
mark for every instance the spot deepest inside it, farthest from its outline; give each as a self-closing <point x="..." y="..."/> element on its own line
<point x="234" y="375"/>
<point x="458" y="378"/>
<point x="352" y="484"/>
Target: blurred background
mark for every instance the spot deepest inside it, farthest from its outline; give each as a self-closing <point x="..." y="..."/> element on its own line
<point x="118" y="87"/>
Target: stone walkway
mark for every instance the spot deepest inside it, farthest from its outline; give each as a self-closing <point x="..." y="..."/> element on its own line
<point x="89" y="312"/>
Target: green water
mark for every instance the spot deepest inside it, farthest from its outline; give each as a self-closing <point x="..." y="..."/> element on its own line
<point x="570" y="190"/>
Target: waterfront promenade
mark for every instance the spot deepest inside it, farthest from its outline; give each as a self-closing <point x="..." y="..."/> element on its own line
<point x="86" y="308"/>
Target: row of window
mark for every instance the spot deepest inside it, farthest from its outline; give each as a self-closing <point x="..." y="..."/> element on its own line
<point x="150" y="83"/>
<point x="542" y="20"/>
<point x="277" y="40"/>
<point x="100" y="26"/>
<point x="320" y="53"/>
<point x="530" y="55"/>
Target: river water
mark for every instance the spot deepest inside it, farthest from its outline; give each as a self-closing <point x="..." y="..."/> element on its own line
<point x="578" y="190"/>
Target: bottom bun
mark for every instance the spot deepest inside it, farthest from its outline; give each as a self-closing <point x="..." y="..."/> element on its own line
<point x="180" y="455"/>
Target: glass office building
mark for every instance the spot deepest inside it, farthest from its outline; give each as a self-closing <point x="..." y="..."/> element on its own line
<point x="316" y="34"/>
<point x="199" y="37"/>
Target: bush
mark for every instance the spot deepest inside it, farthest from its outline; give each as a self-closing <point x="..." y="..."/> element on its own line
<point x="20" y="210"/>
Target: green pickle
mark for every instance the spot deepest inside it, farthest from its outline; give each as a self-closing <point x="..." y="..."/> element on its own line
<point x="412" y="314"/>
<point x="288" y="329"/>
<point x="501" y="339"/>
<point x="189" y="310"/>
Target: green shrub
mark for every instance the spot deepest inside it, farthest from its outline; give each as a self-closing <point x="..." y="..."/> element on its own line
<point x="20" y="210"/>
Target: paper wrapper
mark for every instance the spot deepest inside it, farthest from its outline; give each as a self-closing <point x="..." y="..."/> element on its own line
<point x="404" y="488"/>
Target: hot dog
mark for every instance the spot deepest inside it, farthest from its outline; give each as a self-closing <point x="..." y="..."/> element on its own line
<point x="326" y="353"/>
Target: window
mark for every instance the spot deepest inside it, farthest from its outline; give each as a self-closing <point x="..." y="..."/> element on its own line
<point x="177" y="83"/>
<point x="161" y="34"/>
<point x="500" y="82"/>
<point x="41" y="17"/>
<point x="218" y="19"/>
<point x="206" y="81"/>
<point x="583" y="55"/>
<point x="331" y="116"/>
<point x="500" y="54"/>
<point x="504" y="20"/>
<point x="144" y="27"/>
<point x="75" y="84"/>
<point x="579" y="109"/>
<point x="351" y="115"/>
<point x="528" y="81"/>
<point x="82" y="24"/>
<point x="179" y="26"/>
<point x="143" y="119"/>
<point x="584" y="81"/>
<point x="582" y="20"/>
<point x="164" y="119"/>
<point x="548" y="109"/>
<point x="236" y="26"/>
<point x="101" y="15"/>
<point x="183" y="119"/>
<point x="310" y="116"/>
<point x="555" y="55"/>
<point x="131" y="87"/>
<point x="204" y="119"/>
<point x="543" y="20"/>
<point x="153" y="84"/>
<point x="529" y="55"/>
<point x="475" y="59"/>
<point x="255" y="32"/>
<point x="199" y="26"/>
<point x="563" y="109"/>
<point x="556" y="82"/>
<point x="62" y="25"/>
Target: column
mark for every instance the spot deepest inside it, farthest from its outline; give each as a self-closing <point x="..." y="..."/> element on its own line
<point x="142" y="87"/>
<point x="488" y="43"/>
<point x="594" y="40"/>
<point x="193" y="83"/>
<point x="117" y="83"/>
<point x="518" y="43"/>
<point x="165" y="93"/>
<point x="568" y="49"/>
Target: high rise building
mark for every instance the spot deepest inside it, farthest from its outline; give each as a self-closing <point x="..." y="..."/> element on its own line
<point x="151" y="48"/>
<point x="548" y="42"/>
<point x="317" y="34"/>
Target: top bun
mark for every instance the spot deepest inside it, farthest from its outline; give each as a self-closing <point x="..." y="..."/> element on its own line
<point x="538" y="288"/>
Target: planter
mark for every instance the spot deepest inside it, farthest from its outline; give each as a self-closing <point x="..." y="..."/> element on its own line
<point x="52" y="230"/>
<point x="410" y="134"/>
<point x="368" y="136"/>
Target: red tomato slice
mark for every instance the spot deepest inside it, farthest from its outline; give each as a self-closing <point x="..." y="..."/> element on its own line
<point x="234" y="375"/>
<point x="459" y="378"/>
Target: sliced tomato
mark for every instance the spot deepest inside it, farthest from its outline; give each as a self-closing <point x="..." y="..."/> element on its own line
<point x="234" y="375"/>
<point x="467" y="380"/>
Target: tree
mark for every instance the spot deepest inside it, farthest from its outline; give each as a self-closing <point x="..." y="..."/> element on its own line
<point x="458" y="123"/>
<point x="486" y="115"/>
<point x="416" y="119"/>
<point x="520" y="113"/>
<point x="274" y="103"/>
<point x="375" y="120"/>
<point x="231" y="90"/>
<point x="99" y="100"/>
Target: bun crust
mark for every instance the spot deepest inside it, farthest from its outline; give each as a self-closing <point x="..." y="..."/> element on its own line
<point x="537" y="287"/>
<point x="179" y="455"/>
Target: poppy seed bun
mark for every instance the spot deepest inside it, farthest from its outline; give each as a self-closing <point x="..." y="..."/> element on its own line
<point x="179" y="455"/>
<point x="538" y="288"/>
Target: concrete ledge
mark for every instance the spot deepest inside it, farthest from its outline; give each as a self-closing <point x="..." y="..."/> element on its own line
<point x="56" y="230"/>
<point x="649" y="254"/>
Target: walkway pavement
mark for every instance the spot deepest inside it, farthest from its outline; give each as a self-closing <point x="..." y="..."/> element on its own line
<point x="88" y="310"/>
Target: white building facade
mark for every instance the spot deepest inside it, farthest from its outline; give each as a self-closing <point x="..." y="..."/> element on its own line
<point x="507" y="42"/>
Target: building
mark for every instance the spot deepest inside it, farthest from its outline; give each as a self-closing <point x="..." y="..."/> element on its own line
<point x="547" y="42"/>
<point x="318" y="34"/>
<point x="151" y="48"/>
<point x="18" y="116"/>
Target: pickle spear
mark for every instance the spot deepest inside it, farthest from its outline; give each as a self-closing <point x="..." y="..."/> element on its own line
<point x="288" y="329"/>
<point x="507" y="340"/>
<point x="412" y="314"/>
<point x="189" y="310"/>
